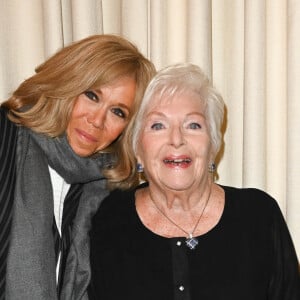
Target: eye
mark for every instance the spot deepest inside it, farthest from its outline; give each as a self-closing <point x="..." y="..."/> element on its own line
<point x="157" y="126"/>
<point x="194" y="126"/>
<point x="91" y="95"/>
<point x="119" y="112"/>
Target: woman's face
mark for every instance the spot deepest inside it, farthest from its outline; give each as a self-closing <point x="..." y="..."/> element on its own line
<point x="174" y="145"/>
<point x="100" y="115"/>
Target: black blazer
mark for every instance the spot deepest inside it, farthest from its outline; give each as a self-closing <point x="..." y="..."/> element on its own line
<point x="8" y="142"/>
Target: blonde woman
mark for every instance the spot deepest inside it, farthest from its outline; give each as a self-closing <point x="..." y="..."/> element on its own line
<point x="62" y="133"/>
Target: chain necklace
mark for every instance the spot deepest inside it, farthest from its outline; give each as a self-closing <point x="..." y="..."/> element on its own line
<point x="191" y="242"/>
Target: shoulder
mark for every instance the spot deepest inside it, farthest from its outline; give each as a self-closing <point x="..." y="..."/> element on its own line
<point x="248" y="195"/>
<point x="121" y="198"/>
<point x="3" y="111"/>
<point x="3" y="116"/>
<point x="8" y="132"/>
<point x="254" y="211"/>
<point x="115" y="207"/>
<point x="5" y="124"/>
<point x="251" y="201"/>
<point x="117" y="197"/>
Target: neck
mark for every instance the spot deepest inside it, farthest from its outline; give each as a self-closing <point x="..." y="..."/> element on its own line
<point x="155" y="221"/>
<point x="191" y="242"/>
<point x="187" y="200"/>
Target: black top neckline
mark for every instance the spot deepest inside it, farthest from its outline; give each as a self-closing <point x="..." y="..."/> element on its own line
<point x="212" y="231"/>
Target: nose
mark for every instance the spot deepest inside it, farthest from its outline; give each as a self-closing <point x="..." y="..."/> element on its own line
<point x="177" y="137"/>
<point x="97" y="118"/>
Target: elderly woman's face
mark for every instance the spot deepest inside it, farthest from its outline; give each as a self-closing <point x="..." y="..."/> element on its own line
<point x="99" y="116"/>
<point x="175" y="147"/>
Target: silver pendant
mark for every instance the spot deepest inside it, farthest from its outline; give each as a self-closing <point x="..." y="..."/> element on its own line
<point x="191" y="242"/>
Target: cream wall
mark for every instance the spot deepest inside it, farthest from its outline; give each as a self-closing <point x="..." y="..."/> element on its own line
<point x="250" y="49"/>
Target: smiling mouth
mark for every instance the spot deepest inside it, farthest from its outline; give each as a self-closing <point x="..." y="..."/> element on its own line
<point x="86" y="136"/>
<point x="178" y="161"/>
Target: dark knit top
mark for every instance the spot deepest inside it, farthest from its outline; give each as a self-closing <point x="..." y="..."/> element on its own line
<point x="248" y="255"/>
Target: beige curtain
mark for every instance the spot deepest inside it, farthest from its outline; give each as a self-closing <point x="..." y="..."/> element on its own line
<point x="250" y="49"/>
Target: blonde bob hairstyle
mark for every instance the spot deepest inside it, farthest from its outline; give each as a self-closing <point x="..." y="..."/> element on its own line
<point x="180" y="79"/>
<point x="44" y="102"/>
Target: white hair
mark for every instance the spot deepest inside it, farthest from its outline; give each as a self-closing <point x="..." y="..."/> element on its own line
<point x="183" y="78"/>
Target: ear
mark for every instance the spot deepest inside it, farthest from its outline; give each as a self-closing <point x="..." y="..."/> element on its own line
<point x="212" y="154"/>
<point x="139" y="159"/>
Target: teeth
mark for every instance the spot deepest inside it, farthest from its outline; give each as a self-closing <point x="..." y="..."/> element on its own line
<point x="177" y="161"/>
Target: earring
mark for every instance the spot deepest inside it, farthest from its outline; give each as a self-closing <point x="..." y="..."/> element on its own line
<point x="212" y="168"/>
<point x="139" y="168"/>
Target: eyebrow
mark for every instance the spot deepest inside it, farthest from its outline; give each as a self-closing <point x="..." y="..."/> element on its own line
<point x="98" y="91"/>
<point x="122" y="105"/>
<point x="154" y="113"/>
<point x="164" y="115"/>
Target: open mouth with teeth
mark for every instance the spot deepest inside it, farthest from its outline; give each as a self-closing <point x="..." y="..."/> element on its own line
<point x="178" y="161"/>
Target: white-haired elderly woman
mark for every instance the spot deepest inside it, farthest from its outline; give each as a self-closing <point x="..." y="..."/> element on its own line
<point x="180" y="235"/>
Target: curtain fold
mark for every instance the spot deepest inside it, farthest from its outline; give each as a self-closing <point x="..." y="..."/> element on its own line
<point x="254" y="157"/>
<point x="276" y="91"/>
<point x="199" y="34"/>
<point x="53" y="37"/>
<point x="293" y="121"/>
<point x="249" y="48"/>
<point x="228" y="77"/>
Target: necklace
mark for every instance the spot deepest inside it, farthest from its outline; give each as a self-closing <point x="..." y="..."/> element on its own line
<point x="191" y="242"/>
